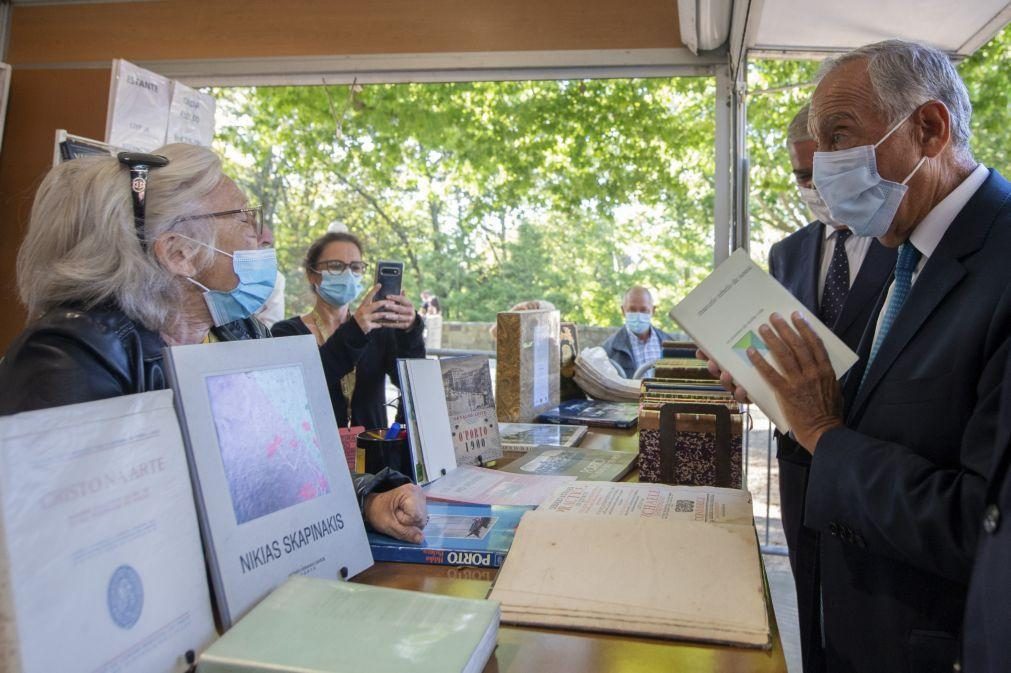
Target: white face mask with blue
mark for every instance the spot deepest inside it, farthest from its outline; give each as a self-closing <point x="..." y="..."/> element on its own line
<point x="257" y="272"/>
<point x="339" y="289"/>
<point x="638" y="323"/>
<point x="855" y="194"/>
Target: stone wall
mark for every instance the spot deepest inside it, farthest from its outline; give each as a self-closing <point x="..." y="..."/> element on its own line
<point x="475" y="335"/>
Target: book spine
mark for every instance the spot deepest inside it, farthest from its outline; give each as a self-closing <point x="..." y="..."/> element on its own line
<point x="445" y="557"/>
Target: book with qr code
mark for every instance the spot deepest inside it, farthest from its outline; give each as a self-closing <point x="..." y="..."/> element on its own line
<point x="456" y="535"/>
<point x="698" y="572"/>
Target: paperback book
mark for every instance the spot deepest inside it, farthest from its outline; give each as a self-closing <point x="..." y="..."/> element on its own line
<point x="519" y="437"/>
<point x="457" y="535"/>
<point x="583" y="464"/>
<point x="594" y="413"/>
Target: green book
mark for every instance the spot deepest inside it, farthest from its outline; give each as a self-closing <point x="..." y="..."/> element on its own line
<point x="310" y="625"/>
<point x="583" y="464"/>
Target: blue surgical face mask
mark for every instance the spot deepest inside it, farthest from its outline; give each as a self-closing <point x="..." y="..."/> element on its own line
<point x="638" y="323"/>
<point x="257" y="272"/>
<point x="339" y="289"/>
<point x="856" y="196"/>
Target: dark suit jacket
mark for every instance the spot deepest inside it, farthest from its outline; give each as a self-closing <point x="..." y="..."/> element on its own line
<point x="986" y="643"/>
<point x="796" y="262"/>
<point x="898" y="493"/>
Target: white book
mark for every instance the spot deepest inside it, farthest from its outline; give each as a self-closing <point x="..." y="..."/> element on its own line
<point x="723" y="313"/>
<point x="273" y="489"/>
<point x="428" y="423"/>
<point x="100" y="560"/>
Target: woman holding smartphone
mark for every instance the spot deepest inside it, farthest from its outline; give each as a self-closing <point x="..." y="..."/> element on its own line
<point x="359" y="348"/>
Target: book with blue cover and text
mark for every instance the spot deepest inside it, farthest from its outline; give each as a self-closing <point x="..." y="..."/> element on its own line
<point x="458" y="535"/>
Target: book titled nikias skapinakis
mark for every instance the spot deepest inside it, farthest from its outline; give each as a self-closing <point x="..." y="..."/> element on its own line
<point x="456" y="535"/>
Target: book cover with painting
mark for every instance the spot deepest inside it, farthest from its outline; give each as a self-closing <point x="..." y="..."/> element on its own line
<point x="273" y="490"/>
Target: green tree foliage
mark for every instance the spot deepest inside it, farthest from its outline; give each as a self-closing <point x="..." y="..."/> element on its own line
<point x="491" y="193"/>
<point x="496" y="192"/>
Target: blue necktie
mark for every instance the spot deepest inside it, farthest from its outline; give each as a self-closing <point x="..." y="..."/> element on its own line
<point x="909" y="257"/>
<point x="837" y="281"/>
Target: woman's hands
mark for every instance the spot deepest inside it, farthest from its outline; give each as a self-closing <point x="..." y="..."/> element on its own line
<point x="395" y="311"/>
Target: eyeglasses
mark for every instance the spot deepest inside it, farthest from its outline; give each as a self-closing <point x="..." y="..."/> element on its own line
<point x="140" y="165"/>
<point x="337" y="266"/>
<point x="250" y="216"/>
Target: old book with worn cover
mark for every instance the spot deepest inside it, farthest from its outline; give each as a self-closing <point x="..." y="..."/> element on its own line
<point x="689" y="434"/>
<point x="457" y="534"/>
<point x="583" y="464"/>
<point x="527" y="373"/>
<point x="594" y="413"/>
<point x="697" y="574"/>
<point x="323" y="626"/>
<point x="470" y="401"/>
<point x="521" y="437"/>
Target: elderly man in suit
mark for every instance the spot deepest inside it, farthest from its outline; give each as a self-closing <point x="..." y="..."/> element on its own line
<point x="638" y="342"/>
<point x="901" y="452"/>
<point x="838" y="277"/>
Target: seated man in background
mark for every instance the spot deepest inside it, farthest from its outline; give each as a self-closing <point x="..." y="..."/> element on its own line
<point x="638" y="342"/>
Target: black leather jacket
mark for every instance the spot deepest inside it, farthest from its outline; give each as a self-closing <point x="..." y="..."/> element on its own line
<point x="73" y="355"/>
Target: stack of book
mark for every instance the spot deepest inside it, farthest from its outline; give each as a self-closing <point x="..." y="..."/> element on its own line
<point x="697" y="568"/>
<point x="690" y="428"/>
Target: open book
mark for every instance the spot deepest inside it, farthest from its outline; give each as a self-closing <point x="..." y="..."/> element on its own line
<point x="694" y="550"/>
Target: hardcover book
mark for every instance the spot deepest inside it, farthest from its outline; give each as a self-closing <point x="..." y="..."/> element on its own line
<point x="318" y="626"/>
<point x="583" y="464"/>
<point x="100" y="560"/>
<point x="274" y="493"/>
<point x="525" y="436"/>
<point x="429" y="431"/>
<point x="527" y="376"/>
<point x="482" y="486"/>
<point x="594" y="413"/>
<point x="470" y="401"/>
<point x="456" y="535"/>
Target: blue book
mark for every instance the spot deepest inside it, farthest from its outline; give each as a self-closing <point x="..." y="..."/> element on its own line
<point x="594" y="413"/>
<point x="458" y="535"/>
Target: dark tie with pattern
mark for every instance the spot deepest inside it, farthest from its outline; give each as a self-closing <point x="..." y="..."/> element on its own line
<point x="837" y="281"/>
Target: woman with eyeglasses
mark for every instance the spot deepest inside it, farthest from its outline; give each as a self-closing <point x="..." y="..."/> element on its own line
<point x="123" y="257"/>
<point x="359" y="348"/>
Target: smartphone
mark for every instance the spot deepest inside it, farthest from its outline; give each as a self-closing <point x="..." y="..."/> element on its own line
<point x="388" y="277"/>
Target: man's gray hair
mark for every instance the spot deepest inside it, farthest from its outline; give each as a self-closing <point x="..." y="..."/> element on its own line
<point x="82" y="248"/>
<point x="798" y="132"/>
<point x="906" y="75"/>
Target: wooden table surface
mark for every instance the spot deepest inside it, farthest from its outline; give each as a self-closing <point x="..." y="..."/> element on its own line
<point x="534" y="650"/>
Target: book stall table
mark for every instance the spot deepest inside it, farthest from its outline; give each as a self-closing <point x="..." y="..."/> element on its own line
<point x="535" y="650"/>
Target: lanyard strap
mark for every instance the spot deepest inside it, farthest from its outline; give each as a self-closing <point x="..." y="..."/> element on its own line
<point x="348" y="380"/>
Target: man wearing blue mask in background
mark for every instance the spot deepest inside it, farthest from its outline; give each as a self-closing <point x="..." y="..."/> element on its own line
<point x="838" y="277"/>
<point x="638" y="342"/>
<point x="900" y="453"/>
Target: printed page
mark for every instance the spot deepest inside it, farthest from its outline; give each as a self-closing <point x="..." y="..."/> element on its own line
<point x="493" y="487"/>
<point x="703" y="504"/>
<point x="723" y="314"/>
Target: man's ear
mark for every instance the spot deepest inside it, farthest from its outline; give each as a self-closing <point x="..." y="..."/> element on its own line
<point x="933" y="127"/>
<point x="177" y="255"/>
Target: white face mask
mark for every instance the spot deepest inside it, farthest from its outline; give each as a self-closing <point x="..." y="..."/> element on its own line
<point x="856" y="195"/>
<point x="812" y="199"/>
